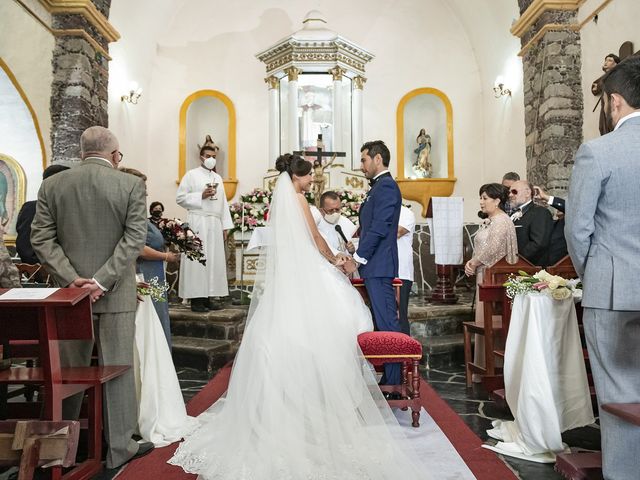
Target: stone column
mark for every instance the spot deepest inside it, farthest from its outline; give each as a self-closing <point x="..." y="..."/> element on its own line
<point x="552" y="96"/>
<point x="80" y="78"/>
<point x="274" y="119"/>
<point x="338" y="134"/>
<point x="357" y="116"/>
<point x="292" y="101"/>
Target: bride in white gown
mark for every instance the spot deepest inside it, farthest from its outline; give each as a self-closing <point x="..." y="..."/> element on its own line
<point x="302" y="402"/>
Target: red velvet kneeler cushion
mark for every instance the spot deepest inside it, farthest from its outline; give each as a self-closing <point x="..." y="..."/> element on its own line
<point x="385" y="347"/>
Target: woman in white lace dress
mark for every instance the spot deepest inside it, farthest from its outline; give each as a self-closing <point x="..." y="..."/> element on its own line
<point x="301" y="402"/>
<point x="495" y="240"/>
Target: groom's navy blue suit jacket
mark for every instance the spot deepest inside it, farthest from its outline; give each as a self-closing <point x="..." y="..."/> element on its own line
<point x="379" y="215"/>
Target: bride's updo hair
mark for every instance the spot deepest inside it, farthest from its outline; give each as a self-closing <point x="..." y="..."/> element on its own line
<point x="293" y="165"/>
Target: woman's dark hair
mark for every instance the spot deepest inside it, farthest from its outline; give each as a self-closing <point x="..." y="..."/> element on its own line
<point x="495" y="191"/>
<point x="154" y="205"/>
<point x="293" y="165"/>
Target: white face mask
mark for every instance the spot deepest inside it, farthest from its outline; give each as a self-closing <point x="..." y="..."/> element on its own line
<point x="332" y="217"/>
<point x="209" y="163"/>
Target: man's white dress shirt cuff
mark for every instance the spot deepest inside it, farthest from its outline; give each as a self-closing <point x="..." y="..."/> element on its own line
<point x="358" y="259"/>
<point x="98" y="283"/>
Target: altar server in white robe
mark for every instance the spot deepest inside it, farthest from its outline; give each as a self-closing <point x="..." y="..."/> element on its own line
<point x="201" y="192"/>
<point x="330" y="208"/>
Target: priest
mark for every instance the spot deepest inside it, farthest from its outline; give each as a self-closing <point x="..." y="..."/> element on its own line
<point x="336" y="229"/>
<point x="201" y="192"/>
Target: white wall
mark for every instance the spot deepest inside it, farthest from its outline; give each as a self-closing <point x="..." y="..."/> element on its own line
<point x="27" y="49"/>
<point x="419" y="43"/>
<point x="617" y="23"/>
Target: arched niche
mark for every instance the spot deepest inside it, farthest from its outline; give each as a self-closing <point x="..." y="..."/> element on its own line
<point x="209" y="112"/>
<point x="13" y="185"/>
<point x="22" y="149"/>
<point x="428" y="109"/>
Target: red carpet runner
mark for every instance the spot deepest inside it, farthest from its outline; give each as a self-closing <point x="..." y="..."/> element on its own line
<point x="484" y="464"/>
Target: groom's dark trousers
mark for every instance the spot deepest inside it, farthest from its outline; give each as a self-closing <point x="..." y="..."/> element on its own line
<point x="378" y="245"/>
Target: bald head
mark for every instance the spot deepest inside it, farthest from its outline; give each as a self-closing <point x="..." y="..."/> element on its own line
<point x="520" y="193"/>
<point x="99" y="142"/>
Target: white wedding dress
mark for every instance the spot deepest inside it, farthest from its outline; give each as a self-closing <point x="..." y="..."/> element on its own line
<point x="302" y="402"/>
<point x="162" y="416"/>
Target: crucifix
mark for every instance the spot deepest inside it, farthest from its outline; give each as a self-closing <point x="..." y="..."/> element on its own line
<point x="319" y="166"/>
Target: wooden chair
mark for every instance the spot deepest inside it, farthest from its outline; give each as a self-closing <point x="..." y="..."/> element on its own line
<point x="394" y="347"/>
<point x="31" y="444"/>
<point x="493" y="295"/>
<point x="64" y="315"/>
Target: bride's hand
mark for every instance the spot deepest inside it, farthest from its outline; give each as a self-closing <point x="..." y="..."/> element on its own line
<point x="340" y="260"/>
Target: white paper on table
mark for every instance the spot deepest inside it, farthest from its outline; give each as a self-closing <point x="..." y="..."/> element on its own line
<point x="28" y="293"/>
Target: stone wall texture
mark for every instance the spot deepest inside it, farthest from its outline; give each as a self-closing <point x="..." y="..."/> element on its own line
<point x="79" y="88"/>
<point x="553" y="101"/>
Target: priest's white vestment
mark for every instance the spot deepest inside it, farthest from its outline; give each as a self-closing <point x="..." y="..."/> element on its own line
<point x="207" y="218"/>
<point x="328" y="231"/>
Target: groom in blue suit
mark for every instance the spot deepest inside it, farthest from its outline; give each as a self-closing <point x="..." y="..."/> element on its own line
<point x="377" y="253"/>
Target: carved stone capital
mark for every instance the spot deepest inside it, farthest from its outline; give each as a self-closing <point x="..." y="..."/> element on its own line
<point x="292" y="73"/>
<point x="337" y="73"/>
<point x="358" y="82"/>
<point x="272" y="81"/>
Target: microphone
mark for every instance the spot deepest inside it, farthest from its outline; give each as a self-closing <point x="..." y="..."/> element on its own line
<point x="341" y="233"/>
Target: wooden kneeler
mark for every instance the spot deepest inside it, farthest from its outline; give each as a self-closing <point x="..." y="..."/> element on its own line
<point x="33" y="443"/>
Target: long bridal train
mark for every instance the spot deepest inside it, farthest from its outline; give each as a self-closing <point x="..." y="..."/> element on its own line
<point x="162" y="416"/>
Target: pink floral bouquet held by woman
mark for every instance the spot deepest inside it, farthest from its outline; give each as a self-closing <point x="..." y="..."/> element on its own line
<point x="178" y="233"/>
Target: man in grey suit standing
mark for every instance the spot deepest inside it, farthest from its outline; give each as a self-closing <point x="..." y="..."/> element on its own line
<point x="90" y="226"/>
<point x="602" y="231"/>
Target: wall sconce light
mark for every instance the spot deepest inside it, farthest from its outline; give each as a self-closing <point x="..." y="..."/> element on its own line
<point x="499" y="90"/>
<point x="133" y="96"/>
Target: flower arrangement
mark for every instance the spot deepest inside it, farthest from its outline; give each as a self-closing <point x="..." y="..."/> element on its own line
<point x="557" y="287"/>
<point x="255" y="205"/>
<point x="154" y="288"/>
<point x="178" y="233"/>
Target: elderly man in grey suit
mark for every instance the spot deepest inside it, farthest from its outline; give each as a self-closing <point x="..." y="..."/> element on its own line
<point x="603" y="237"/>
<point x="90" y="226"/>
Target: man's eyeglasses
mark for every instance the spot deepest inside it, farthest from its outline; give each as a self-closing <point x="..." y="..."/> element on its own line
<point x="119" y="153"/>
<point x="513" y="191"/>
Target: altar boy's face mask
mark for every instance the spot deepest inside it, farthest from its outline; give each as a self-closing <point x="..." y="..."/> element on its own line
<point x="209" y="163"/>
<point x="332" y="217"/>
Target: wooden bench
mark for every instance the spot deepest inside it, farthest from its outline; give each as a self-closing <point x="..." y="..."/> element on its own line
<point x="64" y="315"/>
<point x="31" y="444"/>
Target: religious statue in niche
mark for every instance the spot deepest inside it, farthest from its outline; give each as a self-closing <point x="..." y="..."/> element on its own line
<point x="4" y="190"/>
<point x="422" y="165"/>
<point x="208" y="142"/>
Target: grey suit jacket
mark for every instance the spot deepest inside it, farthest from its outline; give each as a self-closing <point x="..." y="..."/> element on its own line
<point x="603" y="219"/>
<point x="91" y="222"/>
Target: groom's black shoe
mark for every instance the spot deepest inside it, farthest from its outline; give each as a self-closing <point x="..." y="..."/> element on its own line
<point x="392" y="395"/>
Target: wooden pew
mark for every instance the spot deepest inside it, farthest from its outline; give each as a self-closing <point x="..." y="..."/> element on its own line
<point x="493" y="295"/>
<point x="64" y="315"/>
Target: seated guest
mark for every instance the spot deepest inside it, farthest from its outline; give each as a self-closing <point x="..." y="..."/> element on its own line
<point x="25" y="218"/>
<point x="406" y="228"/>
<point x="557" y="243"/>
<point x="9" y="275"/>
<point x="495" y="240"/>
<point x="507" y="180"/>
<point x="151" y="263"/>
<point x="533" y="223"/>
<point x="330" y="208"/>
